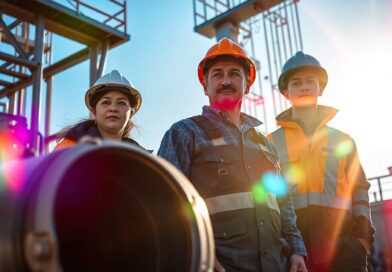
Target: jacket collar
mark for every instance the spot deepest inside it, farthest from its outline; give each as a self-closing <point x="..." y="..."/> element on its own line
<point x="248" y="121"/>
<point x="324" y="115"/>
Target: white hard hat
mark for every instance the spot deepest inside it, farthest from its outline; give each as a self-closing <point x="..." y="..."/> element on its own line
<point x="114" y="81"/>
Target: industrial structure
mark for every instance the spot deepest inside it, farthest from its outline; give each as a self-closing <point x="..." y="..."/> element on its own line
<point x="26" y="66"/>
<point x="27" y="27"/>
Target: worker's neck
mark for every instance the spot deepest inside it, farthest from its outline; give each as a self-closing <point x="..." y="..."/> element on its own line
<point x="234" y="116"/>
<point x="307" y="115"/>
<point x="108" y="136"/>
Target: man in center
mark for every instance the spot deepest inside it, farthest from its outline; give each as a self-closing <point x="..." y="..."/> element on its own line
<point x="236" y="171"/>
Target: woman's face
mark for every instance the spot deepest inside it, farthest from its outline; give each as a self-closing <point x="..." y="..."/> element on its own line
<point x="112" y="113"/>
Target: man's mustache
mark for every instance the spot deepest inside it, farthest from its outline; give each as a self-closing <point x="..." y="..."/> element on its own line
<point x="226" y="88"/>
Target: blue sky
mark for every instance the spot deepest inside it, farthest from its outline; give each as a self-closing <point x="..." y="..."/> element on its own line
<point x="351" y="38"/>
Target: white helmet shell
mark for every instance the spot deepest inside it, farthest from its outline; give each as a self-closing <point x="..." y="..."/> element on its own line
<point x="117" y="81"/>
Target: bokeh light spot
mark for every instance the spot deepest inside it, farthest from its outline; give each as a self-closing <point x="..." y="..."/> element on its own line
<point x="275" y="184"/>
<point x="344" y="148"/>
<point x="269" y="183"/>
<point x="294" y="174"/>
<point x="259" y="193"/>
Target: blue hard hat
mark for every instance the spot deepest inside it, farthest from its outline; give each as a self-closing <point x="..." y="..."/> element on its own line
<point x="298" y="62"/>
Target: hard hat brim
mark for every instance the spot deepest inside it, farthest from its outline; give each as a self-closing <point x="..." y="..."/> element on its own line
<point x="116" y="87"/>
<point x="241" y="59"/>
<point x="321" y="74"/>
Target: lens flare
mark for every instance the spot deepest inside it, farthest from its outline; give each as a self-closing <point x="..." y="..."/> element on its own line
<point x="275" y="184"/>
<point x="11" y="146"/>
<point x="269" y="183"/>
<point x="294" y="174"/>
<point x="344" y="148"/>
<point x="12" y="175"/>
<point x="259" y="193"/>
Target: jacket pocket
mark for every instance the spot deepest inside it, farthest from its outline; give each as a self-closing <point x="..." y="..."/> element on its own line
<point x="221" y="170"/>
<point x="228" y="229"/>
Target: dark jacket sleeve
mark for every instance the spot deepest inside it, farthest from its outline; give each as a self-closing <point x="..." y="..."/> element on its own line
<point x="355" y="174"/>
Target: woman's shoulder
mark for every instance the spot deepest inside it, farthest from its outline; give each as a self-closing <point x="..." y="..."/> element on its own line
<point x="65" y="143"/>
<point x="133" y="142"/>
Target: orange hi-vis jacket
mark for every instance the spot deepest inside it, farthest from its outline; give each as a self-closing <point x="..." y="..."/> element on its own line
<point x="330" y="190"/>
<point x="65" y="143"/>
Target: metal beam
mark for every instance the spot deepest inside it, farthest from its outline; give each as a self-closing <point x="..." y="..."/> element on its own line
<point x="69" y="32"/>
<point x="14" y="24"/>
<point x="62" y="20"/>
<point x="4" y="105"/>
<point x="17" y="12"/>
<point x="12" y="39"/>
<point x="21" y="103"/>
<point x="13" y="73"/>
<point x="102" y="61"/>
<point x="37" y="75"/>
<point x="67" y="62"/>
<point x="11" y="104"/>
<point x="15" y="87"/>
<point x="49" y="71"/>
<point x="5" y="83"/>
<point x="21" y="61"/>
<point x="49" y="85"/>
<point x="93" y="63"/>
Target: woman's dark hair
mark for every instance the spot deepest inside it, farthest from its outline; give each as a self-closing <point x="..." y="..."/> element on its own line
<point x="80" y="129"/>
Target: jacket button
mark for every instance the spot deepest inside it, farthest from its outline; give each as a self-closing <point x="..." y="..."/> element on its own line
<point x="261" y="223"/>
<point x="249" y="167"/>
<point x="224" y="234"/>
<point x="263" y="252"/>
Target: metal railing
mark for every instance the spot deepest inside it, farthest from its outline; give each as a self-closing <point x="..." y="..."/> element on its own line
<point x="117" y="20"/>
<point x="380" y="188"/>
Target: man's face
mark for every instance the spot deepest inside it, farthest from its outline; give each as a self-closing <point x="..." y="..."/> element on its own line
<point x="225" y="85"/>
<point x="303" y="89"/>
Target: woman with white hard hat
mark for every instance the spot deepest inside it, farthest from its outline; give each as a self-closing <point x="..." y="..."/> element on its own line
<point x="112" y="102"/>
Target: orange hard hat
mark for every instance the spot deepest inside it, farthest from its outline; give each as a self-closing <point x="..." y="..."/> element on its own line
<point x="227" y="48"/>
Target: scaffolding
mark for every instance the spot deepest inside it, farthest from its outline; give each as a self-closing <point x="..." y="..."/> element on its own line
<point x="27" y="28"/>
<point x="244" y="21"/>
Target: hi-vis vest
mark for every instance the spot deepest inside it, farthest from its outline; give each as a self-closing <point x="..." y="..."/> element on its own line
<point x="247" y="234"/>
<point x="324" y="170"/>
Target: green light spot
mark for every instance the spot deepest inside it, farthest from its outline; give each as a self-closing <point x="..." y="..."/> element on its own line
<point x="259" y="193"/>
<point x="344" y="148"/>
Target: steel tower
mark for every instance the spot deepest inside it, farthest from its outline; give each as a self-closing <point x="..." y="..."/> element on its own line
<point x="25" y="50"/>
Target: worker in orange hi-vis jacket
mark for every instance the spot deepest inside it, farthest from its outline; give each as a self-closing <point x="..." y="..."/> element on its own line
<point x="322" y="165"/>
<point x="112" y="102"/>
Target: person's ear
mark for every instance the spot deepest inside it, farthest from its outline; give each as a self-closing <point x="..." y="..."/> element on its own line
<point x="133" y="111"/>
<point x="247" y="88"/>
<point x="286" y="94"/>
<point x="205" y="88"/>
<point x="320" y="89"/>
<point x="93" y="112"/>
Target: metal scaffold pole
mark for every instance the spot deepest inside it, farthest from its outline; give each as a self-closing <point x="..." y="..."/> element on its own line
<point x="37" y="75"/>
